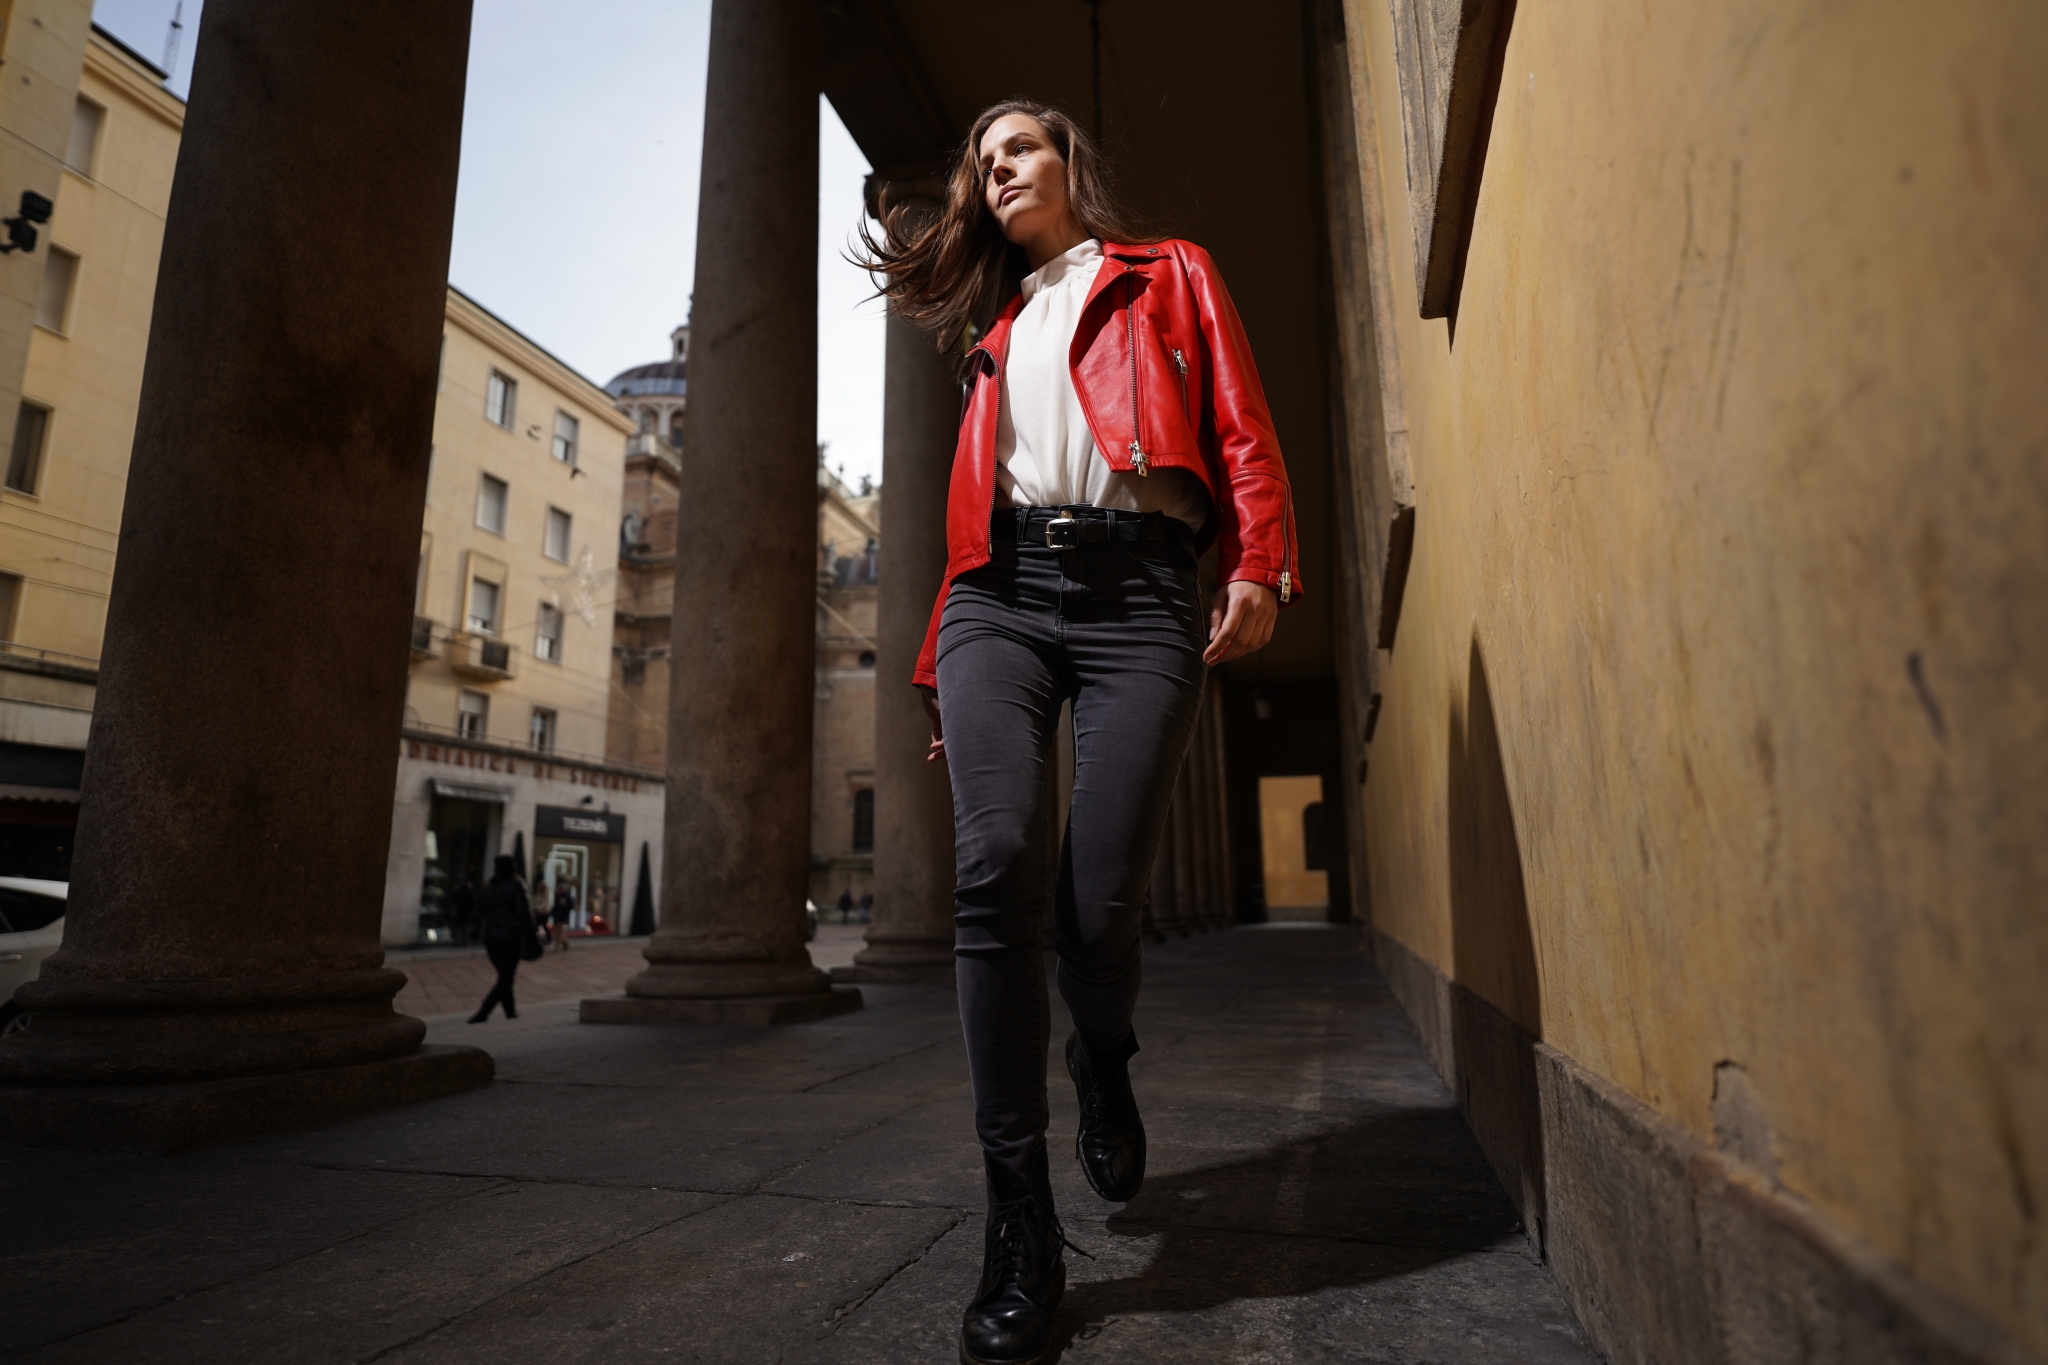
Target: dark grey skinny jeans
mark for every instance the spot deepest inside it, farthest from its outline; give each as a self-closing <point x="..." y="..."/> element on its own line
<point x="1118" y="630"/>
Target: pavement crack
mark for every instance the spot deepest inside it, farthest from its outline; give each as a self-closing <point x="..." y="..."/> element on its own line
<point x="487" y="1184"/>
<point x="894" y="1057"/>
<point x="524" y="1285"/>
<point x="845" y="1311"/>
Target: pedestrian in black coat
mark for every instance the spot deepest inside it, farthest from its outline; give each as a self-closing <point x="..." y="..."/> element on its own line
<point x="507" y="925"/>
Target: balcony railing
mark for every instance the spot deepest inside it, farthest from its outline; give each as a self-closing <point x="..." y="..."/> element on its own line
<point x="480" y="656"/>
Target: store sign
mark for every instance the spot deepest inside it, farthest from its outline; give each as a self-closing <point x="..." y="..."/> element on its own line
<point x="578" y="822"/>
<point x="548" y="770"/>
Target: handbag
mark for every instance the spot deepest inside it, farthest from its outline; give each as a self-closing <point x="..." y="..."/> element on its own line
<point x="529" y="941"/>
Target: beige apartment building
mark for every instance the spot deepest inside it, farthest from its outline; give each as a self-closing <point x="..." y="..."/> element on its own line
<point x="652" y="398"/>
<point x="504" y="744"/>
<point x="79" y="380"/>
<point x="843" y="720"/>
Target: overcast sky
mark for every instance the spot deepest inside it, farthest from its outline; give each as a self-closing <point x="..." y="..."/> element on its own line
<point x="576" y="213"/>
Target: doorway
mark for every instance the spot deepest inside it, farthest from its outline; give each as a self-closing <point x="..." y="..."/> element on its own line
<point x="462" y="838"/>
<point x="1291" y="846"/>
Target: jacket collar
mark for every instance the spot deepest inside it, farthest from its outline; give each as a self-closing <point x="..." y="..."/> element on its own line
<point x="1125" y="257"/>
<point x="996" y="341"/>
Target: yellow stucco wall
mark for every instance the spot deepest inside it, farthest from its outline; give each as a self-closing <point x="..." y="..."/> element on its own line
<point x="468" y="445"/>
<point x="1732" y="499"/>
<point x="60" y="538"/>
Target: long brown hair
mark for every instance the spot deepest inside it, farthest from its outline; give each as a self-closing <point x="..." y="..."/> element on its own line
<point x="951" y="271"/>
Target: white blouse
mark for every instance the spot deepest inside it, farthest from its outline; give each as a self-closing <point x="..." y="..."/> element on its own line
<point x="1045" y="454"/>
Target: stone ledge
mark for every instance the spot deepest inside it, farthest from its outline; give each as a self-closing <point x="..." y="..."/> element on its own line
<point x="741" y="1009"/>
<point x="176" y="1118"/>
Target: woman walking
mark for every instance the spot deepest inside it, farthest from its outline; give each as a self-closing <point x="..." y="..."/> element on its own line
<point x="508" y="933"/>
<point x="1114" y="430"/>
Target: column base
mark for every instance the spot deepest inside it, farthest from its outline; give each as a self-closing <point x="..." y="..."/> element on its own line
<point x="742" y="1009"/>
<point x="894" y="973"/>
<point x="896" y="958"/>
<point x="178" y="1117"/>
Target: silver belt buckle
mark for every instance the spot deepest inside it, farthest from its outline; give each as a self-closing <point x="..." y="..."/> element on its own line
<point x="1056" y="532"/>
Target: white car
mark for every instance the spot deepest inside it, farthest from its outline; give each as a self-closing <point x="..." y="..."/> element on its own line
<point x="31" y="927"/>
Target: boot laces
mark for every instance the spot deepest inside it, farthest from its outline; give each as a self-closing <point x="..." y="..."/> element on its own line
<point x="1010" y="1252"/>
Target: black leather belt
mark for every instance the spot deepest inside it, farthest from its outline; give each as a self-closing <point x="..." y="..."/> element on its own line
<point x="1064" y="528"/>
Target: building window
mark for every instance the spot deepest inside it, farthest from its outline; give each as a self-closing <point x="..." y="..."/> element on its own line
<point x="491" y="496"/>
<point x="566" y="430"/>
<point x="554" y="540"/>
<point x="501" y="400"/>
<point x="25" y="462"/>
<point x="675" y="428"/>
<point x="53" y="305"/>
<point x="867" y="658"/>
<point x="10" y="604"/>
<point x="86" y="118"/>
<point x="547" y="634"/>
<point x="473" y="715"/>
<point x="864" y="820"/>
<point x="483" y="606"/>
<point x="540" y="731"/>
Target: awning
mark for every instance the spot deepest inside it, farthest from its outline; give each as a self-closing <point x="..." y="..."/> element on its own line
<point x="469" y="791"/>
<point x="15" y="791"/>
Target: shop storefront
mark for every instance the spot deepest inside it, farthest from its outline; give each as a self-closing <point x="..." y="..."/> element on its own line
<point x="581" y="851"/>
<point x="462" y="803"/>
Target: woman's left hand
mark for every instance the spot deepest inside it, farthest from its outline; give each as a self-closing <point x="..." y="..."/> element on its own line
<point x="1240" y="621"/>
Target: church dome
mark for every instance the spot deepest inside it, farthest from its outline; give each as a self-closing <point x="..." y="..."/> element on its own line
<point x="644" y="381"/>
<point x="662" y="378"/>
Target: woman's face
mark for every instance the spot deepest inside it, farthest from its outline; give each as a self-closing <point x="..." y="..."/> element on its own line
<point x="1023" y="180"/>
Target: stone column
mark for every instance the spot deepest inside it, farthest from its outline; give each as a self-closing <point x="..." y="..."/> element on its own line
<point x="736" y="863"/>
<point x="254" y="671"/>
<point x="1190" y="850"/>
<point x="1165" y="920"/>
<point x="1194" y="777"/>
<point x="1184" y="831"/>
<point x="911" y="937"/>
<point x="1220" y="814"/>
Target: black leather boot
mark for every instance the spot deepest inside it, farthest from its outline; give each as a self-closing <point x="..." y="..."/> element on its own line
<point x="1023" y="1273"/>
<point x="1110" y="1143"/>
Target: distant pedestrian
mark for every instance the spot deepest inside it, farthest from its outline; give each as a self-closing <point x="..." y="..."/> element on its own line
<point x="845" y="905"/>
<point x="508" y="935"/>
<point x="462" y="910"/>
<point x="564" y="910"/>
<point x="867" y="906"/>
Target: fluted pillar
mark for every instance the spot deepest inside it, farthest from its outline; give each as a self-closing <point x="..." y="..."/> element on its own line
<point x="1213" y="807"/>
<point x="734" y="876"/>
<point x="1164" y="921"/>
<point x="262" y="597"/>
<point x="911" y="937"/>
<point x="1202" y="763"/>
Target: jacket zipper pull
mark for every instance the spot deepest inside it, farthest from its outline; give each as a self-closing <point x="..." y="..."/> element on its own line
<point x="1139" y="461"/>
<point x="1283" y="585"/>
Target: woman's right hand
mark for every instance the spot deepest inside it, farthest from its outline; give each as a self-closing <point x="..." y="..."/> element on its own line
<point x="930" y="697"/>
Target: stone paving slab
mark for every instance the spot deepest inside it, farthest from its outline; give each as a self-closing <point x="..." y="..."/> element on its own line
<point x="629" y="1193"/>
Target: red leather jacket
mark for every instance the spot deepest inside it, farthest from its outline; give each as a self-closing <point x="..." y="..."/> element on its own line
<point x="1159" y="330"/>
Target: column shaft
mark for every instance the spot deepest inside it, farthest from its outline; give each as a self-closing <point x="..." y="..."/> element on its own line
<point x="912" y="932"/>
<point x="254" y="672"/>
<point x="1201" y="807"/>
<point x="741" y="676"/>
<point x="1164" y="919"/>
<point x="1185" y="832"/>
<point x="1213" y="812"/>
